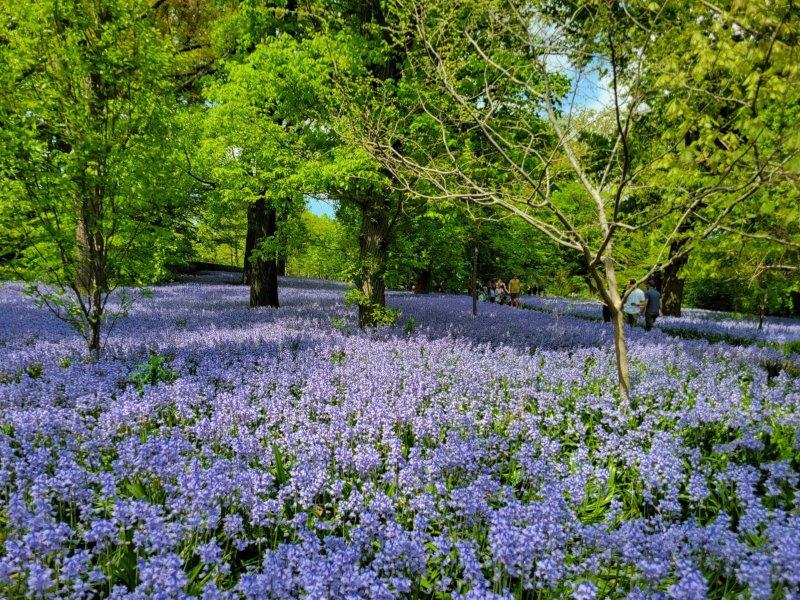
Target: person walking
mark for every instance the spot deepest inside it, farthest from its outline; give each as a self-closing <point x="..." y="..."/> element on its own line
<point x="634" y="304"/>
<point x="513" y="289"/>
<point x="652" y="305"/>
<point x="492" y="291"/>
<point x="502" y="291"/>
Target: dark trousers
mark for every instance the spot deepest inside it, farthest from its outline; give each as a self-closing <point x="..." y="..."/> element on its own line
<point x="649" y="320"/>
<point x="606" y="314"/>
<point x="631" y="319"/>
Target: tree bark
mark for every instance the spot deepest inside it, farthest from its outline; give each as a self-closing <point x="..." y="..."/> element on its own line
<point x="90" y="261"/>
<point x="795" y="296"/>
<point x="95" y="322"/>
<point x="609" y="294"/>
<point x="249" y="244"/>
<point x="83" y="264"/>
<point x="474" y="282"/>
<point x="621" y="351"/>
<point x="422" y="281"/>
<point x="671" y="283"/>
<point x="373" y="246"/>
<point x="762" y="311"/>
<point x="264" y="284"/>
<point x="282" y="265"/>
<point x="91" y="265"/>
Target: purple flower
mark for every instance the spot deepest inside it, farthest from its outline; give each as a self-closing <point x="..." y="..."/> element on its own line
<point x="40" y="579"/>
<point x="585" y="590"/>
<point x="691" y="585"/>
<point x="210" y="553"/>
<point x="162" y="573"/>
<point x="476" y="453"/>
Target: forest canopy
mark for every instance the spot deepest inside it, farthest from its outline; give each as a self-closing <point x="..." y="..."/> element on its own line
<point x="574" y="144"/>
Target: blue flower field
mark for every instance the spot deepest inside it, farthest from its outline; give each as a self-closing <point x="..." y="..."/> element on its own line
<point x="218" y="451"/>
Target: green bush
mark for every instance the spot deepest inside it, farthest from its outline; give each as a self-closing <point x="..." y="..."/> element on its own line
<point x="792" y="347"/>
<point x="152" y="372"/>
<point x="379" y="314"/>
<point x="409" y="328"/>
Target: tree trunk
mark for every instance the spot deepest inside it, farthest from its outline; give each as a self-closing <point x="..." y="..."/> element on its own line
<point x="90" y="261"/>
<point x="474" y="282"/>
<point x="95" y="322"/>
<point x="264" y="283"/>
<point x="83" y="264"/>
<point x="282" y="265"/>
<point x="590" y="285"/>
<point x="795" y="296"/>
<point x="612" y="298"/>
<point x="621" y="352"/>
<point x="373" y="246"/>
<point x="91" y="265"/>
<point x="671" y="284"/>
<point x="249" y="244"/>
<point x="422" y="281"/>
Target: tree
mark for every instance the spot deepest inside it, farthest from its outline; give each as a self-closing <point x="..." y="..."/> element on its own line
<point x="86" y="113"/>
<point x="753" y="263"/>
<point x="261" y="131"/>
<point x="372" y="75"/>
<point x="531" y="58"/>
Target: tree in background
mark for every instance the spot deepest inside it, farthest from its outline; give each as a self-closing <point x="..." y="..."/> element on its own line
<point x="649" y="183"/>
<point x="753" y="266"/>
<point x="251" y="127"/>
<point x="321" y="249"/>
<point x="736" y="107"/>
<point x="369" y="66"/>
<point x="86" y="112"/>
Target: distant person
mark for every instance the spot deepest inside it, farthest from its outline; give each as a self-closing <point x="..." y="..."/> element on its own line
<point x="606" y="313"/>
<point x="634" y="305"/>
<point x="652" y="305"/>
<point x="513" y="289"/>
<point x="501" y="291"/>
<point x="492" y="291"/>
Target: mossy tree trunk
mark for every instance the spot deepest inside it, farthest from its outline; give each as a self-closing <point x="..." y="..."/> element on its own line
<point x="373" y="246"/>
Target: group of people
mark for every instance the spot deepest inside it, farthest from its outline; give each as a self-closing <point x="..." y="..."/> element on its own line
<point x="497" y="291"/>
<point x="639" y="303"/>
<point x="646" y="303"/>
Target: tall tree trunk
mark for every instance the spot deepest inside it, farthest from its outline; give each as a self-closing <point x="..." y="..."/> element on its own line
<point x="282" y="265"/>
<point x="90" y="246"/>
<point x="590" y="285"/>
<point x="83" y="263"/>
<point x="474" y="282"/>
<point x="762" y="311"/>
<point x="609" y="294"/>
<point x="621" y="351"/>
<point x="249" y="244"/>
<point x="91" y="264"/>
<point x="795" y="296"/>
<point x="95" y="322"/>
<point x="671" y="283"/>
<point x="264" y="283"/>
<point x="373" y="246"/>
<point x="422" y="281"/>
